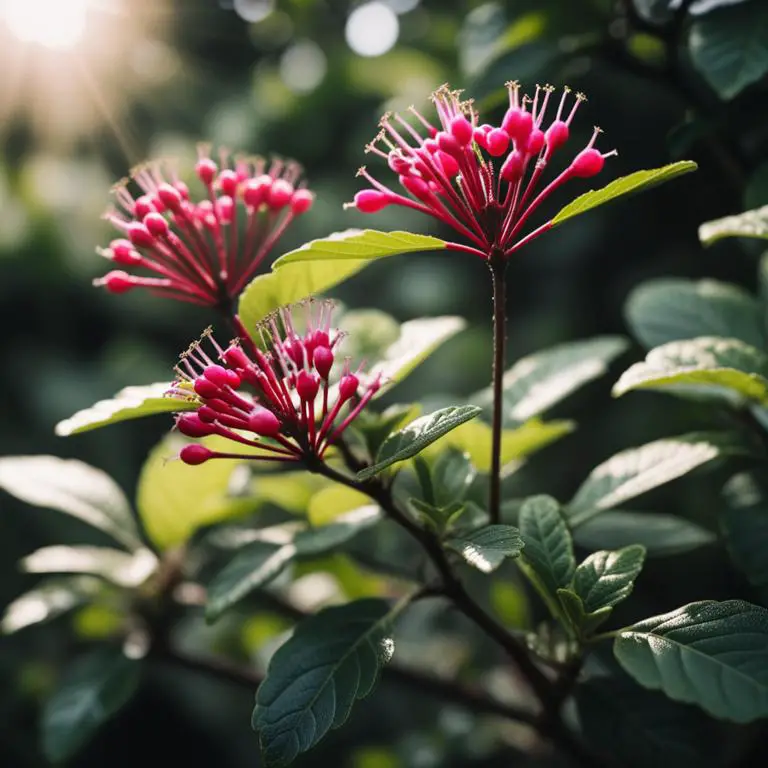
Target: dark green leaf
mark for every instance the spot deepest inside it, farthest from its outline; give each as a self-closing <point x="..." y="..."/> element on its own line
<point x="744" y="522"/>
<point x="625" y="185"/>
<point x="413" y="438"/>
<point x="313" y="541"/>
<point x="452" y="475"/>
<point x="486" y="548"/>
<point x="661" y="535"/>
<point x="92" y="691"/>
<point x="730" y="47"/>
<point x="712" y="654"/>
<point x="672" y="309"/>
<point x="332" y="659"/>
<point x="606" y="578"/>
<point x="376" y="427"/>
<point x="748" y="224"/>
<point x="634" y="471"/>
<point x="583" y="622"/>
<point x="77" y="489"/>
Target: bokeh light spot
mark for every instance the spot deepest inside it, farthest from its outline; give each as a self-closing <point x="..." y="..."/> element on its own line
<point x="254" y="10"/>
<point x="303" y="66"/>
<point x="52" y="23"/>
<point x="372" y="29"/>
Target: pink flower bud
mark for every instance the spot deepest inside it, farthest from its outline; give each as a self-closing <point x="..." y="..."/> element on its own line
<point x="189" y="424"/>
<point x="518" y="124"/>
<point x="263" y="422"/>
<point x="371" y="201"/>
<point x="322" y="358"/>
<point x="205" y="388"/>
<point x="535" y="142"/>
<point x="143" y="206"/>
<point x="216" y="374"/>
<point x="280" y="194"/>
<point x="556" y="136"/>
<point x="417" y="187"/>
<point x="256" y="190"/>
<point x="228" y="181"/>
<point x="398" y="163"/>
<point x="182" y="189"/>
<point x="301" y="201"/>
<point x="226" y="209"/>
<point x="589" y="162"/>
<point x="170" y="197"/>
<point x="307" y="385"/>
<point x="195" y="454"/>
<point x="498" y="141"/>
<point x="156" y="225"/>
<point x="233" y="379"/>
<point x="449" y="164"/>
<point x="116" y="282"/>
<point x="207" y="414"/>
<point x="206" y="170"/>
<point x="461" y="130"/>
<point x="449" y="144"/>
<point x="235" y="357"/>
<point x="512" y="169"/>
<point x="348" y="386"/>
<point x="123" y="253"/>
<point x="431" y="146"/>
<point x="139" y="235"/>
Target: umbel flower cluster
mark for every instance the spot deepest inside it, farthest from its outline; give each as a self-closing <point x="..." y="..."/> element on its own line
<point x="293" y="412"/>
<point x="484" y="181"/>
<point x="194" y="248"/>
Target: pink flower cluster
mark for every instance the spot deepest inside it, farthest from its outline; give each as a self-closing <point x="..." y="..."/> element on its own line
<point x="294" y="412"/>
<point x="194" y="249"/>
<point x="480" y="179"/>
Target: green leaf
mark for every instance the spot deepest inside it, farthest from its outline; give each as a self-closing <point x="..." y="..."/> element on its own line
<point x="413" y="438"/>
<point x="266" y="293"/>
<point x="332" y="659"/>
<point x="94" y="688"/>
<point x="72" y="487"/>
<point x="114" y="565"/>
<point x="748" y="224"/>
<point x="583" y="622"/>
<point x="252" y="567"/>
<point x="625" y="185"/>
<point x="730" y="47"/>
<point x="661" y="535"/>
<point x="712" y="654"/>
<point x="486" y="548"/>
<point x="314" y="541"/>
<point x="376" y="427"/>
<point x="175" y="499"/>
<point x="744" y="522"/>
<point x="418" y="340"/>
<point x="451" y="476"/>
<point x="672" y="309"/>
<point x="50" y="599"/>
<point x="332" y="502"/>
<point x="707" y="366"/>
<point x="129" y="403"/>
<point x="360" y="245"/>
<point x="535" y="383"/>
<point x="547" y="559"/>
<point x="634" y="471"/>
<point x="605" y="578"/>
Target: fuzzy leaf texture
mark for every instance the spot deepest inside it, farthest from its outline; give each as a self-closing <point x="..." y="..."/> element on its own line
<point x="486" y="548"/>
<point x="332" y="659"/>
<point x="604" y="579"/>
<point x="748" y="224"/>
<point x="712" y="654"/>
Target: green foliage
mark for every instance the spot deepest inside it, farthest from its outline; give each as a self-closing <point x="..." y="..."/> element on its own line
<point x="730" y="47"/>
<point x="451" y="476"/>
<point x="74" y="488"/>
<point x="606" y="578"/>
<point x="93" y="690"/>
<point x="414" y="437"/>
<point x="712" y="654"/>
<point x="332" y="659"/>
<point x="625" y="185"/>
<point x="752" y="224"/>
<point x="671" y="309"/>
<point x="486" y="548"/>
<point x="359" y="245"/>
<point x="708" y="366"/>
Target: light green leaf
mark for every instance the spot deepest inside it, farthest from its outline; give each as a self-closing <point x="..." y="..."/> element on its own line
<point x="547" y="559"/>
<point x="252" y="567"/>
<point x="313" y="680"/>
<point x="671" y="309"/>
<point x="175" y="499"/>
<point x="266" y="293"/>
<point x="730" y="47"/>
<point x="634" y="471"/>
<point x="744" y="522"/>
<point x="661" y="535"/>
<point x="712" y="654"/>
<point x="535" y="383"/>
<point x="332" y="502"/>
<point x="414" y="437"/>
<point x="605" y="578"/>
<point x="748" y="224"/>
<point x="50" y="599"/>
<point x="115" y="565"/>
<point x="707" y="366"/>
<point x="625" y="185"/>
<point x="418" y="339"/>
<point x="359" y="245"/>
<point x="72" y="487"/>
<point x="486" y="548"/>
<point x="129" y="403"/>
<point x="94" y="688"/>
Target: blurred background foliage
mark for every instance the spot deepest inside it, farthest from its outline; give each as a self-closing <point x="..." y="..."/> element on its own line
<point x="91" y="88"/>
